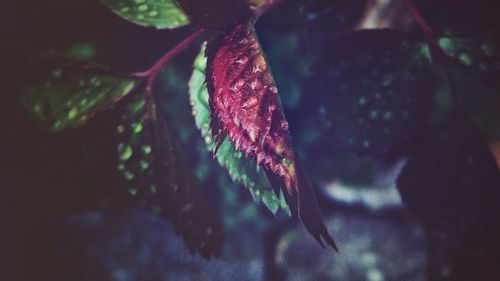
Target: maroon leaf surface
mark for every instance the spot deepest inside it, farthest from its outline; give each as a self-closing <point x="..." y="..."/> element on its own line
<point x="246" y="107"/>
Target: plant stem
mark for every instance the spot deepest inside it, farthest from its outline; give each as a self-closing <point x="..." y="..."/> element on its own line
<point x="431" y="37"/>
<point x="151" y="73"/>
<point x="436" y="51"/>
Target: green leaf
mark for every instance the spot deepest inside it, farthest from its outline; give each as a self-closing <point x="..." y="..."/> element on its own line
<point x="478" y="100"/>
<point x="241" y="170"/>
<point x="157" y="13"/>
<point x="153" y="169"/>
<point x="473" y="73"/>
<point x="62" y="92"/>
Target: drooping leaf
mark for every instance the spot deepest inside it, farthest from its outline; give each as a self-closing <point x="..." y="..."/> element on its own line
<point x="461" y="17"/>
<point x="61" y="92"/>
<point x="480" y="58"/>
<point x="155" y="174"/>
<point x="241" y="170"/>
<point x="219" y="14"/>
<point x="156" y="13"/>
<point x="451" y="182"/>
<point x="245" y="106"/>
<point x="471" y="70"/>
<point x="478" y="100"/>
<point x="381" y="84"/>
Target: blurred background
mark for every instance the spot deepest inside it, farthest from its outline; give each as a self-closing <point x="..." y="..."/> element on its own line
<point x="64" y="209"/>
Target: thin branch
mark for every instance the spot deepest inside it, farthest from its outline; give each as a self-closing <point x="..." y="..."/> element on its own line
<point x="151" y="73"/>
<point x="433" y="40"/>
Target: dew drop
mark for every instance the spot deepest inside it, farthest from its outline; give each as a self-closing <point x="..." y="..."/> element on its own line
<point x="465" y="59"/>
<point x="146" y="149"/>
<point x="128" y="175"/>
<point x="366" y="143"/>
<point x="125" y="152"/>
<point x="73" y="113"/>
<point x="120" y="129"/>
<point x="387" y="116"/>
<point x="57" y="73"/>
<point x="137" y="127"/>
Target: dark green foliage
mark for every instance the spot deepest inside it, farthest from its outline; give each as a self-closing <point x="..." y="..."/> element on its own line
<point x="476" y="99"/>
<point x="380" y="96"/>
<point x="154" y="171"/>
<point x="63" y="92"/>
<point x="452" y="183"/>
<point x="481" y="58"/>
<point x="155" y="13"/>
<point x="217" y="14"/>
<point x="451" y="177"/>
<point x="478" y="18"/>
<point x="334" y="16"/>
<point x="471" y="70"/>
<point x="242" y="170"/>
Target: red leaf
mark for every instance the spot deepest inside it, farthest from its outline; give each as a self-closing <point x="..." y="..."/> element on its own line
<point x="246" y="107"/>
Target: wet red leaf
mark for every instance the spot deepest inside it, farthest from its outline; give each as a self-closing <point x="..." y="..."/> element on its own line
<point x="245" y="106"/>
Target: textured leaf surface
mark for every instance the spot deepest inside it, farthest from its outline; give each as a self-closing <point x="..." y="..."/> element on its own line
<point x="241" y="169"/>
<point x="62" y="93"/>
<point x="153" y="169"/>
<point x="383" y="93"/>
<point x="157" y="13"/>
<point x="245" y="106"/>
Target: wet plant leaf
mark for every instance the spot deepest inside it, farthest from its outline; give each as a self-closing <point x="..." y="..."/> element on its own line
<point x="155" y="174"/>
<point x="471" y="70"/>
<point x="61" y="93"/>
<point x="245" y="106"/>
<point x="242" y="170"/>
<point x="156" y="13"/>
<point x="481" y="58"/>
<point x="452" y="183"/>
<point x="381" y="85"/>
<point x="477" y="99"/>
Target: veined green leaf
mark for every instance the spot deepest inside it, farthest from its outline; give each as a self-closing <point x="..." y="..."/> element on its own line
<point x="153" y="170"/>
<point x="62" y="92"/>
<point x="162" y="14"/>
<point x="241" y="170"/>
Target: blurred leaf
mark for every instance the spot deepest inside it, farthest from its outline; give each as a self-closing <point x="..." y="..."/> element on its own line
<point x="154" y="171"/>
<point x="478" y="18"/>
<point x="218" y="14"/>
<point x="157" y="13"/>
<point x="472" y="73"/>
<point x="62" y="92"/>
<point x="334" y="16"/>
<point x="479" y="101"/>
<point x="241" y="169"/>
<point x="373" y="92"/>
<point x="479" y="57"/>
<point x="452" y="183"/>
